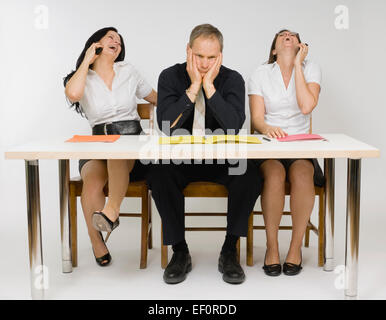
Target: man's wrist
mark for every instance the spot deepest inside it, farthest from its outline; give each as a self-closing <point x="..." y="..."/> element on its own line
<point x="209" y="89"/>
<point x="194" y="88"/>
<point x="192" y="91"/>
<point x="192" y="96"/>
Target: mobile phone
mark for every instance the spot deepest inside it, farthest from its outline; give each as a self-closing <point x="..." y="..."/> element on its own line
<point x="299" y="48"/>
<point x="98" y="50"/>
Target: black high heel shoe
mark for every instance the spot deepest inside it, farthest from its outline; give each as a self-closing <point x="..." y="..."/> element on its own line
<point x="104" y="260"/>
<point x="103" y="223"/>
<point x="291" y="269"/>
<point x="272" y="270"/>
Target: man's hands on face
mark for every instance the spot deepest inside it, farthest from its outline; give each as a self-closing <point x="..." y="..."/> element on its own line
<point x="197" y="79"/>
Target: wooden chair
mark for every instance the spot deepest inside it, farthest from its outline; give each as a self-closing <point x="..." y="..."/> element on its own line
<point x="138" y="189"/>
<point x="319" y="231"/>
<point x="200" y="190"/>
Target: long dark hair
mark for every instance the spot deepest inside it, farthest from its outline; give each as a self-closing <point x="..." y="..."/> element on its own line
<point x="97" y="36"/>
<point x="272" y="57"/>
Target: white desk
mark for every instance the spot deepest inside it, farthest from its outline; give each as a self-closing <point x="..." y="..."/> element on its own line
<point x="147" y="147"/>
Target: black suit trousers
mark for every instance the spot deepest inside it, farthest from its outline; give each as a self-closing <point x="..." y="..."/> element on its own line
<point x="167" y="182"/>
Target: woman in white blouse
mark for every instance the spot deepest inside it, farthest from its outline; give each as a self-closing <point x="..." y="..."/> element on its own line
<point x="104" y="88"/>
<point x="282" y="95"/>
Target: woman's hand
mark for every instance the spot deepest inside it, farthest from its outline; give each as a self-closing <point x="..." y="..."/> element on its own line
<point x="75" y="86"/>
<point x="90" y="55"/>
<point x="274" y="132"/>
<point x="302" y="54"/>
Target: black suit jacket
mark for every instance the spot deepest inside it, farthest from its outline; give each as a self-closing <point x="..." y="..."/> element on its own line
<point x="224" y="110"/>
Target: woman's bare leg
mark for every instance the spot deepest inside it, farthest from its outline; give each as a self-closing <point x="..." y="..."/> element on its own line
<point x="94" y="176"/>
<point x="118" y="180"/>
<point x="301" y="178"/>
<point x="272" y="203"/>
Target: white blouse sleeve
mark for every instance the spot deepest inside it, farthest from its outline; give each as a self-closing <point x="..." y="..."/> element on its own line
<point x="313" y="73"/>
<point x="255" y="83"/>
<point x="143" y="87"/>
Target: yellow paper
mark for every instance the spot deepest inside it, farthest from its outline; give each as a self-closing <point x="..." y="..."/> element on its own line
<point x="181" y="140"/>
<point x="208" y="139"/>
<point x="232" y="139"/>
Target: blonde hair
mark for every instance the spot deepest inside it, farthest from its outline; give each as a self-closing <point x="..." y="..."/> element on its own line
<point x="207" y="31"/>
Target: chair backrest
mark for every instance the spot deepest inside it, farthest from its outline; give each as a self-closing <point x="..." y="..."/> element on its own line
<point x="253" y="129"/>
<point x="146" y="112"/>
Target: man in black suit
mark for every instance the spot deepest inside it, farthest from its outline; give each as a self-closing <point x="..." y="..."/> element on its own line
<point x="197" y="95"/>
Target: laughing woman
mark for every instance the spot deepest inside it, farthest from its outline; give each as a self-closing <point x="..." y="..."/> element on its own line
<point x="282" y="95"/>
<point x="104" y="88"/>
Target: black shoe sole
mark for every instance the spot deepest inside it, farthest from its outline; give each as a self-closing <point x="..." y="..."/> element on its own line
<point x="101" y="224"/>
<point x="230" y="280"/>
<point x="180" y="279"/>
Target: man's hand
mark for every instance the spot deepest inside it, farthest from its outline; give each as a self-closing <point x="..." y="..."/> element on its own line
<point x="210" y="76"/>
<point x="194" y="74"/>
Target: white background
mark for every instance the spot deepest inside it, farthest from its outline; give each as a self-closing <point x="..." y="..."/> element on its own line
<point x="33" y="63"/>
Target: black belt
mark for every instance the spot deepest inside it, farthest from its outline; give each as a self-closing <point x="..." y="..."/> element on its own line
<point x="128" y="127"/>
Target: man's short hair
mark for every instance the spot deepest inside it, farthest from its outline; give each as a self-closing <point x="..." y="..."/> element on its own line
<point x="207" y="31"/>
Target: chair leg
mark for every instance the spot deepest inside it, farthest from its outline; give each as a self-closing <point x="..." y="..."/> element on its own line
<point x="321" y="231"/>
<point x="150" y="241"/>
<point x="307" y="238"/>
<point x="144" y="229"/>
<point x="73" y="226"/>
<point x="164" y="252"/>
<point x="250" y="241"/>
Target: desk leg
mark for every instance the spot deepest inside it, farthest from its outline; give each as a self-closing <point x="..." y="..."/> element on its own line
<point x="329" y="205"/>
<point x="65" y="232"/>
<point x="352" y="226"/>
<point x="34" y="229"/>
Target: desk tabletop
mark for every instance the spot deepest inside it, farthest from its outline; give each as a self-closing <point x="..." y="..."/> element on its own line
<point x="148" y="147"/>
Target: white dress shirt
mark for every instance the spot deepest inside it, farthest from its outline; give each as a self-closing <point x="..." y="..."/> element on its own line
<point x="100" y="105"/>
<point x="281" y="107"/>
<point x="199" y="115"/>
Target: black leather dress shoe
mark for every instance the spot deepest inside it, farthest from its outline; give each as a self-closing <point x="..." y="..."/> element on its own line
<point x="272" y="270"/>
<point x="230" y="268"/>
<point x="178" y="267"/>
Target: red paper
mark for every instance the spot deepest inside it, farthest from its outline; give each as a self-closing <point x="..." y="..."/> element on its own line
<point x="97" y="138"/>
<point x="297" y="137"/>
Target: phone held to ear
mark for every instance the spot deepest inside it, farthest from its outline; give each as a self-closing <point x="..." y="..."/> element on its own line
<point x="299" y="47"/>
<point x="98" y="51"/>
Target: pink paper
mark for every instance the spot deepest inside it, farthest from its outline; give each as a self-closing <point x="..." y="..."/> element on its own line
<point x="297" y="137"/>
